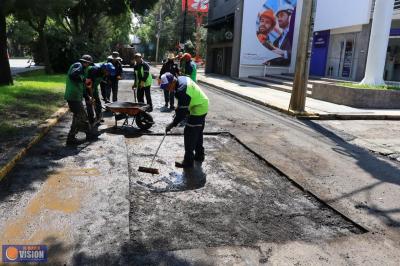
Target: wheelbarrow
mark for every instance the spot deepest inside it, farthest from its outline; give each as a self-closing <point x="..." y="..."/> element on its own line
<point x="136" y="111"/>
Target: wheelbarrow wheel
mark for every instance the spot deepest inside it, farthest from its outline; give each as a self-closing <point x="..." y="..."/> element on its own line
<point x="144" y="121"/>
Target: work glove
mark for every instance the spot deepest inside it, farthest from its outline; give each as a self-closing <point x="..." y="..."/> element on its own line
<point x="169" y="127"/>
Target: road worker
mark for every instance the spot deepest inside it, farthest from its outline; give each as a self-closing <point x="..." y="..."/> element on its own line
<point x="143" y="81"/>
<point x="95" y="75"/>
<point x="192" y="102"/>
<point x="74" y="92"/>
<point x="188" y="67"/>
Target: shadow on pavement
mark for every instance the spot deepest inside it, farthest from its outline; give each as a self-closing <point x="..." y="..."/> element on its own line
<point x="382" y="171"/>
<point x="40" y="162"/>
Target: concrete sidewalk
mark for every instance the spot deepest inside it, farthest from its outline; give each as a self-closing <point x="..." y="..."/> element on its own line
<point x="279" y="100"/>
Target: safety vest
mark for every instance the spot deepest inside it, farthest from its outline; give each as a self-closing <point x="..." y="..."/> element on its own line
<point x="73" y="89"/>
<point x="193" y="76"/>
<point x="198" y="100"/>
<point x="96" y="80"/>
<point x="149" y="80"/>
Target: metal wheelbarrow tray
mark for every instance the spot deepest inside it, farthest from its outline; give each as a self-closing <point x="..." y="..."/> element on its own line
<point x="137" y="111"/>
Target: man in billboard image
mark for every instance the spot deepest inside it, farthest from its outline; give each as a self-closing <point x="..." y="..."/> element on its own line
<point x="283" y="44"/>
<point x="267" y="24"/>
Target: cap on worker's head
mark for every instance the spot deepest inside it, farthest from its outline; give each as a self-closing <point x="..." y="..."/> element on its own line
<point x="171" y="56"/>
<point x="86" y="59"/>
<point x="187" y="56"/>
<point x="138" y="55"/>
<point x="109" y="67"/>
<point x="115" y="54"/>
<point x="166" y="79"/>
<point x="285" y="8"/>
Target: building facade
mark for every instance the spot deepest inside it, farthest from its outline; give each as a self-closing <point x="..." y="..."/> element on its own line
<point x="340" y="43"/>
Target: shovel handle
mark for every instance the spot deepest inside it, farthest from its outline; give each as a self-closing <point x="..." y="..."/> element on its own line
<point x="134" y="95"/>
<point x="155" y="154"/>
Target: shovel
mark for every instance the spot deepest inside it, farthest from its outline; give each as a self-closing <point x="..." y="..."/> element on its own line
<point x="134" y="94"/>
<point x="149" y="169"/>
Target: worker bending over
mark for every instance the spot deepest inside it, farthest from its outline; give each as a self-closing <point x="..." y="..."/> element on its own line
<point x="192" y="101"/>
<point x="74" y="93"/>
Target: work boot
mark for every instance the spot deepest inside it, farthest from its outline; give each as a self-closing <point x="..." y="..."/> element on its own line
<point x="184" y="164"/>
<point x="150" y="109"/>
<point x="172" y="108"/>
<point x="92" y="136"/>
<point x="72" y="141"/>
<point x="199" y="157"/>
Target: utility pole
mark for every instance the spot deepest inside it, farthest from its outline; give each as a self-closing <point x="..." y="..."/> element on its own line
<point x="159" y="24"/>
<point x="183" y="36"/>
<point x="378" y="44"/>
<point x="299" y="91"/>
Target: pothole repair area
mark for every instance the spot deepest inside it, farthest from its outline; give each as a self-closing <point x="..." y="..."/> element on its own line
<point x="233" y="198"/>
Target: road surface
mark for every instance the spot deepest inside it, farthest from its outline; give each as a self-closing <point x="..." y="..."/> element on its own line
<point x="272" y="190"/>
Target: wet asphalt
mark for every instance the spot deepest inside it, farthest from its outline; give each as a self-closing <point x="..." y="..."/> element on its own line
<point x="91" y="206"/>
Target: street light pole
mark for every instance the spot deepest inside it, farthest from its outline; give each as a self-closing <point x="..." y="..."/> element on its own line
<point x="183" y="36"/>
<point x="158" y="32"/>
<point x="299" y="91"/>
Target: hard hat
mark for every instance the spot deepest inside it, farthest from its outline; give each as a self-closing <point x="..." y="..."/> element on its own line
<point x="285" y="8"/>
<point x="115" y="54"/>
<point x="187" y="56"/>
<point x="138" y="55"/>
<point x="269" y="13"/>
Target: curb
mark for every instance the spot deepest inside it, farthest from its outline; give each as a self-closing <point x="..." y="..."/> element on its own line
<point x="305" y="116"/>
<point x="43" y="130"/>
<point x="276" y="108"/>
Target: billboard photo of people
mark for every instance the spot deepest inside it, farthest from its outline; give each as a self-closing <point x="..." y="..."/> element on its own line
<point x="270" y="41"/>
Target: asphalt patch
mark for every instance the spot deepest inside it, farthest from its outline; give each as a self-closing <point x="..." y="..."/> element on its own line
<point x="233" y="198"/>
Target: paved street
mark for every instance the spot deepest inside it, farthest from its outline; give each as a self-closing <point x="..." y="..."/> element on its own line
<point x="273" y="190"/>
<point x="19" y="66"/>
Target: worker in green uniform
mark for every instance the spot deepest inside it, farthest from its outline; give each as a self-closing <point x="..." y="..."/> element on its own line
<point x="192" y="102"/>
<point x="74" y="92"/>
<point x="143" y="81"/>
<point x="95" y="75"/>
<point x="188" y="67"/>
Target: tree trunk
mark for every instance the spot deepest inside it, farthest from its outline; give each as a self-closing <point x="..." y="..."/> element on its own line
<point x="45" y="52"/>
<point x="5" y="71"/>
<point x="43" y="44"/>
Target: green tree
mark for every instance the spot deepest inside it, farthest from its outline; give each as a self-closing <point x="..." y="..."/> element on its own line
<point x="171" y="28"/>
<point x="20" y="36"/>
<point x="36" y="13"/>
<point x="141" y="6"/>
<point x="5" y="9"/>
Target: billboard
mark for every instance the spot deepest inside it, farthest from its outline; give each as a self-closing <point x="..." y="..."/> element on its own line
<point x="267" y="32"/>
<point x="195" y="5"/>
<point x="341" y="13"/>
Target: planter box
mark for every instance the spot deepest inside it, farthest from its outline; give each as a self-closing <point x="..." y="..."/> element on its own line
<point x="359" y="98"/>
